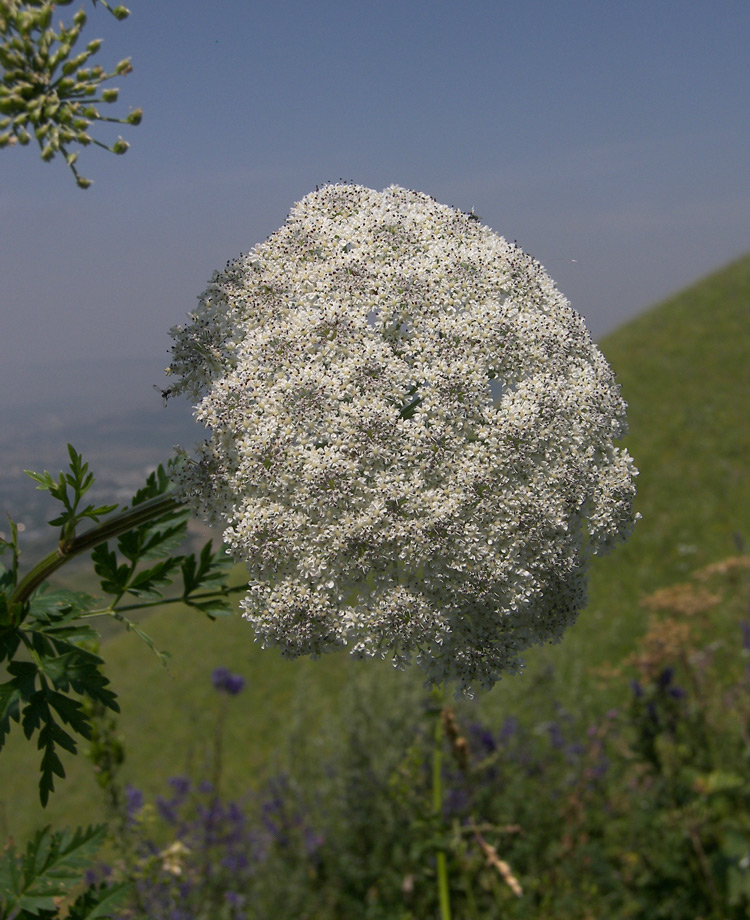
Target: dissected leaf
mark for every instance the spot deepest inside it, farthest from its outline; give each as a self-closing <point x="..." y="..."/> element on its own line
<point x="114" y="577"/>
<point x="38" y="695"/>
<point x="10" y="637"/>
<point x="9" y="576"/>
<point x="209" y="569"/>
<point x="50" y="865"/>
<point x="60" y="606"/>
<point x="98" y="901"/>
<point x="144" y="583"/>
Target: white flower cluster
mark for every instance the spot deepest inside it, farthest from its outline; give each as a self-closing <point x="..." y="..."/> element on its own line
<point x="411" y="436"/>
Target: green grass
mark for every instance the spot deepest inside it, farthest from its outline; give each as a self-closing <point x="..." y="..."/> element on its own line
<point x="684" y="368"/>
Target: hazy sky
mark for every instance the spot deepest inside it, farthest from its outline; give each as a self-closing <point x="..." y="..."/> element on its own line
<point x="612" y="140"/>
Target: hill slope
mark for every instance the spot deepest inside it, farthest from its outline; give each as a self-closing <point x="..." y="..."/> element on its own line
<point x="684" y="367"/>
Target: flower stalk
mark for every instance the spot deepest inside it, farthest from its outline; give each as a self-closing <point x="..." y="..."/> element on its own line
<point x="437" y="804"/>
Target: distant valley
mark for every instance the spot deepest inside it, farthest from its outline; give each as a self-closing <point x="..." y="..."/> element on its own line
<point x="121" y="449"/>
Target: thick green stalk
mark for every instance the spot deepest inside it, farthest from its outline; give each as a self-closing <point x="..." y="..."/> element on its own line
<point x="150" y="510"/>
<point x="437" y="805"/>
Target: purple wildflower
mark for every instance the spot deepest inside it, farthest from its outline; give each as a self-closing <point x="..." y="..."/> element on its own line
<point x="133" y="804"/>
<point x="483" y="737"/>
<point x="556" y="737"/>
<point x="226" y="682"/>
<point x="313" y="840"/>
<point x="180" y="784"/>
<point x="166" y="809"/>
<point x="665" y="678"/>
<point x="509" y="729"/>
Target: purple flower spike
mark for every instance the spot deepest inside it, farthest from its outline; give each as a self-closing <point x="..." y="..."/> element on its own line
<point x="637" y="689"/>
<point x="226" y="682"/>
<point x="180" y="784"/>
<point x="134" y="802"/>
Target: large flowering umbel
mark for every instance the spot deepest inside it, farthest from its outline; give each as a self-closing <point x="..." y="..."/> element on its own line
<point x="411" y="436"/>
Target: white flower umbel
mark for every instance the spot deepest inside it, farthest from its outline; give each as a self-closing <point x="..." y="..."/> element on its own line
<point x="411" y="436"/>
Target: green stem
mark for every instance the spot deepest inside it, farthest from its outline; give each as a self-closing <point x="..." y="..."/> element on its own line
<point x="437" y="805"/>
<point x="150" y="510"/>
<point x="162" y="602"/>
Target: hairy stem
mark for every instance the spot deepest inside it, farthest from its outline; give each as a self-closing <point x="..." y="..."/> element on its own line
<point x="150" y="510"/>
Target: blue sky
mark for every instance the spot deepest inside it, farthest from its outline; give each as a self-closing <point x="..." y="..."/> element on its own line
<point x="610" y="139"/>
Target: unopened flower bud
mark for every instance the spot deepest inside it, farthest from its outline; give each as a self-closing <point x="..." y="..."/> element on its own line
<point x="110" y="95"/>
<point x="119" y="146"/>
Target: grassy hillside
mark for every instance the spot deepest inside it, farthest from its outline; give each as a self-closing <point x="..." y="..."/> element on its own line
<point x="684" y="368"/>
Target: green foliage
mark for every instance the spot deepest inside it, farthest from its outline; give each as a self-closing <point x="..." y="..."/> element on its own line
<point x="38" y="692"/>
<point x="79" y="480"/>
<point x="46" y="636"/>
<point x="35" y="883"/>
<point x="48" y="91"/>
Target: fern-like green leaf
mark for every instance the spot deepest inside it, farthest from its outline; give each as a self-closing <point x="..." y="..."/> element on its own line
<point x="50" y="865"/>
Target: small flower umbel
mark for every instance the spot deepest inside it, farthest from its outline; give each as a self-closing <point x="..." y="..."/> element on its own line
<point x="411" y="436"/>
<point x="48" y="92"/>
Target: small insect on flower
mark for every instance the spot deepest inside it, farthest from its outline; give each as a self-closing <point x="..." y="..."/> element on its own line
<point x="165" y="394"/>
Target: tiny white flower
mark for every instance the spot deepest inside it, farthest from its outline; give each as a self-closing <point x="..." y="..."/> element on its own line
<point x="411" y="436"/>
